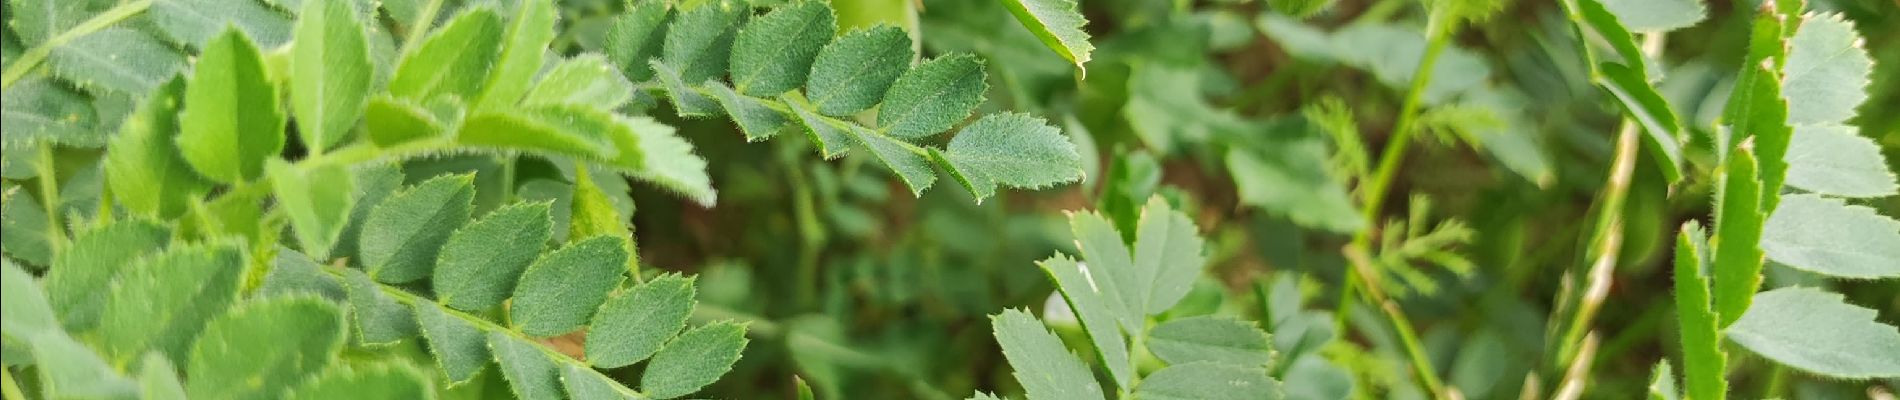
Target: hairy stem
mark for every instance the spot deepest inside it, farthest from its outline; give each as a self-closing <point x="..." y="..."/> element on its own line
<point x="1421" y="364"/>
<point x="32" y="58"/>
<point x="49" y="196"/>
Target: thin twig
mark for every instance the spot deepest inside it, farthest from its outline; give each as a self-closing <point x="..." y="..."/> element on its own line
<point x="1422" y="364"/>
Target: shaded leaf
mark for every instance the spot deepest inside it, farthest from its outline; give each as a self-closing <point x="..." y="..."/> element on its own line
<point x="459" y="347"/>
<point x="163" y="302"/>
<point x="1058" y="23"/>
<point x="317" y="199"/>
<point x="530" y="29"/>
<point x="193" y="23"/>
<point x="144" y="169"/>
<point x="92" y="261"/>
<point x="452" y="61"/>
<point x="699" y="41"/>
<point x="116" y="60"/>
<point x="632" y="325"/>
<point x="264" y="346"/>
<point x="1827" y="236"/>
<point x="529" y="371"/>
<point x="1093" y="308"/>
<point x="1208" y="381"/>
<point x="376" y="381"/>
<point x="379" y="319"/>
<point x="586" y="80"/>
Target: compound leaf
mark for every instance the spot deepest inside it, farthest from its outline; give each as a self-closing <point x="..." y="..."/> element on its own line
<point x="1818" y="332"/>
<point x="38" y="20"/>
<point x="1167" y="259"/>
<point x="232" y="121"/>
<point x="755" y="118"/>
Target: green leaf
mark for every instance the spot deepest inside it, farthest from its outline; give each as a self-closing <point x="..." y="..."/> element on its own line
<point x="193" y="23"/>
<point x="522" y="48"/>
<point x="572" y="131"/>
<point x="36" y="109"/>
<point x="1649" y="109"/>
<point x="1168" y="258"/>
<point x="23" y="229"/>
<point x="592" y="214"/>
<point x="373" y="184"/>
<point x="164" y="301"/>
<point x="402" y="236"/>
<point x="562" y="289"/>
<point x="232" y="121"/>
<point x="453" y="61"/>
<point x="852" y="73"/>
<point x="292" y="272"/>
<point x="667" y="160"/>
<point x="1097" y="310"/>
<point x="583" y="383"/>
<point x="379" y="319"/>
<point x="1757" y="112"/>
<point x="1010" y="149"/>
<point x="1286" y="175"/>
<point x="773" y="54"/>
<point x="636" y="37"/>
<point x="1102" y="247"/>
<point x="158" y="379"/>
<point x="143" y="167"/>
<point x="264" y="346"/>
<point x="1300" y="8"/>
<point x="1703" y="361"/>
<point x="1834" y="160"/>
<point x="908" y="161"/>
<point x="329" y="73"/>
<point x="1827" y="236"/>
<point x="1058" y="23"/>
<point x="832" y="137"/>
<point x="317" y="199"/>
<point x="1827" y="71"/>
<point x="459" y="347"/>
<point x="933" y="97"/>
<point x="1738" y="229"/>
<point x="698" y="42"/>
<point x="478" y="267"/>
<point x="24" y="309"/>
<point x="1816" y="331"/>
<point x="1208" y="381"/>
<point x="69" y="370"/>
<point x="1046" y="370"/>
<point x="754" y="116"/>
<point x="1662" y="383"/>
<point x="391" y="121"/>
<point x="529" y="371"/>
<point x="116" y="60"/>
<point x="686" y="101"/>
<point x="38" y="20"/>
<point x="371" y="381"/>
<point x="634" y="324"/>
<point x="586" y="80"/>
<point x="92" y="261"/>
<point x="1657" y="15"/>
<point x="1212" y="339"/>
<point x="694" y="359"/>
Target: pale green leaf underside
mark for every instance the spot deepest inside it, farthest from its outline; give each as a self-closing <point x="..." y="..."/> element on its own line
<point x="1208" y="381"/>
<point x="1657" y="15"/>
<point x="1827" y="71"/>
<point x="117" y="60"/>
<point x="1058" y="23"/>
<point x="143" y="168"/>
<point x="1830" y="237"/>
<point x="1816" y="331"/>
<point x="1834" y="160"/>
<point x="1210" y="339"/>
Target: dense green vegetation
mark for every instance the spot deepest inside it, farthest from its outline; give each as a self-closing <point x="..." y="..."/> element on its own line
<point x="1140" y="199"/>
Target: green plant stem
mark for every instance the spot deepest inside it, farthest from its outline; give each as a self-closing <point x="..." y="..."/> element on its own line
<point x="8" y="387"/>
<point x="49" y="195"/>
<point x="1421" y="363"/>
<point x="32" y="58"/>
<point x="1389" y="160"/>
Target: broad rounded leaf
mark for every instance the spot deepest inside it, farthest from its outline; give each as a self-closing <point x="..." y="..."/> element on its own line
<point x="774" y="53"/>
<point x="530" y="374"/>
<point x="693" y="360"/>
<point x="459" y="347"/>
<point x="232" y="121"/>
<point x="1010" y="149"/>
<point x="402" y="236"/>
<point x="1211" y="339"/>
<point x="634" y="324"/>
<point x="586" y="80"/>
<point x="933" y="97"/>
<point x="1058" y="23"/>
<point x="195" y="22"/>
<point x="317" y="199"/>
<point x="1818" y="332"/>
<point x="479" y="265"/>
<point x="561" y="290"/>
<point x="264" y="346"/>
<point x="699" y="41"/>
<point x="852" y="73"/>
